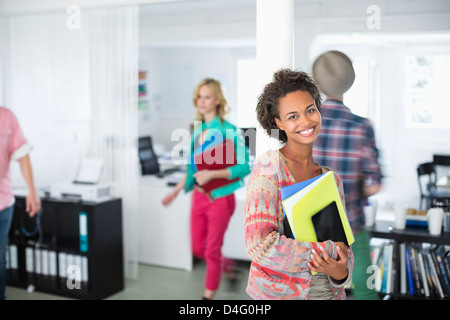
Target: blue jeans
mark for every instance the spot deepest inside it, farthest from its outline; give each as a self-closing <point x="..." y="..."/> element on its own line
<point x="5" y="223"/>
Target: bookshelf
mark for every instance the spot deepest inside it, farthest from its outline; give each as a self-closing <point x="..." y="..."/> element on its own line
<point x="415" y="240"/>
<point x="77" y="254"/>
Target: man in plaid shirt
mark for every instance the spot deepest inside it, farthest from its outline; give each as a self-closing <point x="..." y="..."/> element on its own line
<point x="346" y="144"/>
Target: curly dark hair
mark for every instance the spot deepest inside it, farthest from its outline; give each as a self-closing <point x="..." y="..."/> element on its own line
<point x="284" y="81"/>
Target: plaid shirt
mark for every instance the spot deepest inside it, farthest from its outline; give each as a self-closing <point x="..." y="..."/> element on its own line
<point x="346" y="144"/>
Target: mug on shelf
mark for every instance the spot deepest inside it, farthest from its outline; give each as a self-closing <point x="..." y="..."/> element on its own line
<point x="435" y="219"/>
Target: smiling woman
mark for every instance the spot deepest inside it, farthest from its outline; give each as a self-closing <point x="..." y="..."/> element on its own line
<point x="298" y="115"/>
<point x="281" y="266"/>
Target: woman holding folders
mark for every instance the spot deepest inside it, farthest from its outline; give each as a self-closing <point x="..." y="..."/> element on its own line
<point x="211" y="211"/>
<point x="289" y="108"/>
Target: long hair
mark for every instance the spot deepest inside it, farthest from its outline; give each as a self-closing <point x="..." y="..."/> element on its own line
<point x="216" y="87"/>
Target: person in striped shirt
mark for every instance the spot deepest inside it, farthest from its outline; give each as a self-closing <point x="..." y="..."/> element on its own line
<point x="13" y="146"/>
<point x="347" y="144"/>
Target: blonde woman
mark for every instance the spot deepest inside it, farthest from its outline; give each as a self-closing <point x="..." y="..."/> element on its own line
<point x="211" y="211"/>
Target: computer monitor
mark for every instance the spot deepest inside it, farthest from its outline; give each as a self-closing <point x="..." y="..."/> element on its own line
<point x="147" y="157"/>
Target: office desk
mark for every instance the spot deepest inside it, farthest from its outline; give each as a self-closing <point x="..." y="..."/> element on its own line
<point x="164" y="232"/>
<point x="53" y="259"/>
<point x="386" y="230"/>
<point x="164" y="237"/>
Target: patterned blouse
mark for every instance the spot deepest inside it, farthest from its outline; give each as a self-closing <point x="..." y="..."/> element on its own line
<point x="279" y="267"/>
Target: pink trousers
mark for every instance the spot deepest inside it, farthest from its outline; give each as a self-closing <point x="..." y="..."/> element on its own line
<point x="209" y="221"/>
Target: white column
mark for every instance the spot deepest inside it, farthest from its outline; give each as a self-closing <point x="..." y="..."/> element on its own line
<point x="274" y="50"/>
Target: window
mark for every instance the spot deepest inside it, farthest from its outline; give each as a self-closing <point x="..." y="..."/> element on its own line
<point x="426" y="85"/>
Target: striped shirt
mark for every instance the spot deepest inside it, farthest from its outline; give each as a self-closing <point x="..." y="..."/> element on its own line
<point x="346" y="144"/>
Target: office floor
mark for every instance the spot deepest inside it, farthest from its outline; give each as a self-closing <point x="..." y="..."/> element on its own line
<point x="158" y="283"/>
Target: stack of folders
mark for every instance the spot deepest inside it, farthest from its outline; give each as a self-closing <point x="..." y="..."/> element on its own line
<point x="40" y="264"/>
<point x="315" y="212"/>
<point x="214" y="154"/>
<point x="73" y="272"/>
<point x="47" y="268"/>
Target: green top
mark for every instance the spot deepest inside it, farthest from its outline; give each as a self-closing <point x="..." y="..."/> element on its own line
<point x="240" y="170"/>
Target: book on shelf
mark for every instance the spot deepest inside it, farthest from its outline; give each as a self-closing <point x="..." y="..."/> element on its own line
<point x="377" y="252"/>
<point x="446" y="262"/>
<point x="409" y="274"/>
<point x="215" y="155"/>
<point x="386" y="269"/>
<point x="436" y="252"/>
<point x="416" y="271"/>
<point x="428" y="275"/>
<point x="315" y="212"/>
<point x="423" y="274"/>
<point x="403" y="283"/>
<point x="434" y="277"/>
<point x="384" y="258"/>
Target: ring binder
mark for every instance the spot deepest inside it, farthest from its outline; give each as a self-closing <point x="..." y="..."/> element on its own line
<point x="83" y="232"/>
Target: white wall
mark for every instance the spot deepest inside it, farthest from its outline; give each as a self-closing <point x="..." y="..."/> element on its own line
<point x="172" y="74"/>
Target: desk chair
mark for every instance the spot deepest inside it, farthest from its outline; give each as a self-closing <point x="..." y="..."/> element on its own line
<point x="147" y="157"/>
<point x="427" y="183"/>
<point x="441" y="159"/>
<point x="441" y="165"/>
<point x="429" y="194"/>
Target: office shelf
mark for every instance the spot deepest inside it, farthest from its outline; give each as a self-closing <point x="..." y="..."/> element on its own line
<point x="414" y="236"/>
<point x="57" y="259"/>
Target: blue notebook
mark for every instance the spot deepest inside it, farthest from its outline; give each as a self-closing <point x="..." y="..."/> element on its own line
<point x="214" y="140"/>
<point x="288" y="191"/>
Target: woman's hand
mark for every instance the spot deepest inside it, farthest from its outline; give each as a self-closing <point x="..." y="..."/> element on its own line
<point x="33" y="204"/>
<point x="204" y="176"/>
<point x="174" y="193"/>
<point x="169" y="198"/>
<point x="322" y="262"/>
